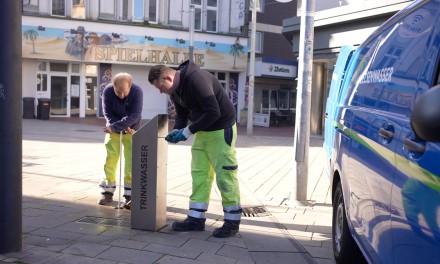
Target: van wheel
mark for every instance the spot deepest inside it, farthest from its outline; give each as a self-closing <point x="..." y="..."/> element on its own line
<point x="344" y="247"/>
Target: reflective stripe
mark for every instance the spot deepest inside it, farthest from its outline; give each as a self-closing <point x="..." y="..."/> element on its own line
<point x="195" y="214"/>
<point x="231" y="208"/>
<point x="229" y="216"/>
<point x="110" y="187"/>
<point x="203" y="206"/>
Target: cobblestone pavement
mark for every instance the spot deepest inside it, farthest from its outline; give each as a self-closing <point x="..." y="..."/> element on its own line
<point x="63" y="162"/>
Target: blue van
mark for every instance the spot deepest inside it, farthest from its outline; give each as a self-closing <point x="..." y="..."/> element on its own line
<point x="385" y="160"/>
<point x="334" y="101"/>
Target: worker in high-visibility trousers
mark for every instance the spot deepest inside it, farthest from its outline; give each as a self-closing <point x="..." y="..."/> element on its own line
<point x="199" y="97"/>
<point x="122" y="108"/>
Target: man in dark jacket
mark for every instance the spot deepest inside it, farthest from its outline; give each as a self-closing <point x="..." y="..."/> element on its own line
<point x="200" y="98"/>
<point x="122" y="107"/>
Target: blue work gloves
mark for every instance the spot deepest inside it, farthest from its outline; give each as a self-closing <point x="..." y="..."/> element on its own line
<point x="178" y="135"/>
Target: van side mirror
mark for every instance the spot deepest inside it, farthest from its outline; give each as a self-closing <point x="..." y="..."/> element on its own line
<point x="425" y="118"/>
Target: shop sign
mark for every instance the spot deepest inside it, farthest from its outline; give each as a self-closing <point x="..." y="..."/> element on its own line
<point x="275" y="70"/>
<point x="261" y="119"/>
<point x="99" y="47"/>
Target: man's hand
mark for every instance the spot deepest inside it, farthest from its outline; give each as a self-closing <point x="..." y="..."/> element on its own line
<point x="129" y="130"/>
<point x="182" y="135"/>
<point x="108" y="129"/>
<point x="171" y="135"/>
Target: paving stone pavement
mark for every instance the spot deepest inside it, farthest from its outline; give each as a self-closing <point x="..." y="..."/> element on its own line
<point x="63" y="163"/>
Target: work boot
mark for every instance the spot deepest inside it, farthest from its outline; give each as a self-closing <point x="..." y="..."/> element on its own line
<point x="107" y="197"/>
<point x="127" y="203"/>
<point x="190" y="224"/>
<point x="229" y="228"/>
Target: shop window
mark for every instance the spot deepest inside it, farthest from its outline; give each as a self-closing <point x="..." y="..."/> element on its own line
<point x="91" y="90"/>
<point x="31" y="6"/>
<point x="92" y="70"/>
<point x="75" y="95"/>
<point x="75" y="68"/>
<point x="59" y="67"/>
<point x="41" y="82"/>
<point x="58" y="7"/>
<point x="78" y="9"/>
<point x="283" y="96"/>
<point x="42" y="66"/>
<point x="292" y="100"/>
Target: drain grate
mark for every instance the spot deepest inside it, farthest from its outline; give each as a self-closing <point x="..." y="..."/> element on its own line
<point x="85" y="130"/>
<point x="28" y="164"/>
<point x="104" y="221"/>
<point x="255" y="211"/>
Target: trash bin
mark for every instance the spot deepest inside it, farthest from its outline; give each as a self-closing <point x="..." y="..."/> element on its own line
<point x="28" y="107"/>
<point x="43" y="109"/>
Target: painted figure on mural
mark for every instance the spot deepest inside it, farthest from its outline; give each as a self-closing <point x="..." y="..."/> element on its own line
<point x="77" y="45"/>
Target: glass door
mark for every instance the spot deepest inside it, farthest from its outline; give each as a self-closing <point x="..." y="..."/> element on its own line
<point x="60" y="96"/>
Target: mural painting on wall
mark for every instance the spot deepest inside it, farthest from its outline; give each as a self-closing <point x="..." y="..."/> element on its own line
<point x="105" y="77"/>
<point x="236" y="51"/>
<point x="233" y="88"/>
<point x="105" y="47"/>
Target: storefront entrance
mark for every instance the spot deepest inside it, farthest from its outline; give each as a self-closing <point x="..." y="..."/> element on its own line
<point x="71" y="88"/>
<point x="60" y="96"/>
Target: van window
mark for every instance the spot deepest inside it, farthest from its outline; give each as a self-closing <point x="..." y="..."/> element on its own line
<point x="389" y="67"/>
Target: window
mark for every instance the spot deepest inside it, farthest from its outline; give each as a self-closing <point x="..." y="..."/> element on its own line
<point x="78" y="9"/>
<point x="107" y="9"/>
<point x="205" y="15"/>
<point x="58" y="7"/>
<point x="75" y="68"/>
<point x="260" y="5"/>
<point x="283" y="96"/>
<point x="31" y="6"/>
<point x="258" y="42"/>
<point x="292" y="99"/>
<point x="41" y="82"/>
<point x="153" y="11"/>
<point x="59" y="67"/>
<point x="211" y="16"/>
<point x="42" y="77"/>
<point x="138" y="10"/>
<point x="176" y="13"/>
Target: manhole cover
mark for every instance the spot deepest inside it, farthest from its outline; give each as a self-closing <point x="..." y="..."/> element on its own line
<point x="255" y="211"/>
<point x="104" y="221"/>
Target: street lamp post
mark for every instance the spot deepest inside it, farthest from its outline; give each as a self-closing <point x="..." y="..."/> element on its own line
<point x="303" y="101"/>
<point x="191" y="32"/>
<point x="250" y="114"/>
<point x="10" y="127"/>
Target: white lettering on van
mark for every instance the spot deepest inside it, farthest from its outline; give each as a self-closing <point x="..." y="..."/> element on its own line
<point x="378" y="76"/>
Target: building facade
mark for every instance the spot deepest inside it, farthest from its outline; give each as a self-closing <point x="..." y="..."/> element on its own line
<point x="337" y="23"/>
<point x="72" y="48"/>
<point x="275" y="66"/>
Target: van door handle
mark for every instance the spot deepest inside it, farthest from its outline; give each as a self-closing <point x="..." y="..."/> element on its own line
<point x="386" y="133"/>
<point x="414" y="146"/>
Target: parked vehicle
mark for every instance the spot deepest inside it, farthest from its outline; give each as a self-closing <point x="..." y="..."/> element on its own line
<point x="385" y="160"/>
<point x="334" y="100"/>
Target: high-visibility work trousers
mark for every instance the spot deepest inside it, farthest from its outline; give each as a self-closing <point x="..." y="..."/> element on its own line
<point x="112" y="146"/>
<point x="213" y="153"/>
